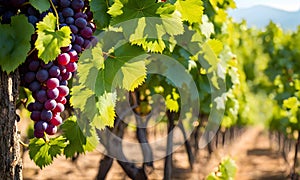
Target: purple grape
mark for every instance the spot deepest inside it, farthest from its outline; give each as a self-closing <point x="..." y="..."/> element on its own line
<point x="50" y="104"/>
<point x="79" y="40"/>
<point x="71" y="67"/>
<point x="34" y="86"/>
<point x="66" y="49"/>
<point x="51" y="130"/>
<point x="67" y="12"/>
<point x="30" y="107"/>
<point x="73" y="55"/>
<point x="41" y="96"/>
<point x="72" y="38"/>
<point x="63" y="59"/>
<point x="59" y="108"/>
<point x="77" y="48"/>
<point x="69" y="20"/>
<point x="65" y="3"/>
<point x="77" y="5"/>
<point x="87" y="44"/>
<point x="42" y="75"/>
<point x="35" y="115"/>
<point x="63" y="90"/>
<point x="81" y="22"/>
<point x="38" y="134"/>
<point x="89" y="15"/>
<point x="46" y="115"/>
<point x="52" y="83"/>
<point x="66" y="76"/>
<point x="80" y="14"/>
<point x="52" y="93"/>
<point x="56" y="120"/>
<point x="54" y="71"/>
<point x="61" y="100"/>
<point x="29" y="77"/>
<point x="86" y="33"/>
<point x="40" y="126"/>
<point x="34" y="66"/>
<point x="63" y="82"/>
<point x="74" y="29"/>
<point x="37" y="106"/>
<point x="32" y="19"/>
<point x="62" y="69"/>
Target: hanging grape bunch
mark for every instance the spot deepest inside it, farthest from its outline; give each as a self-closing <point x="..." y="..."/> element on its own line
<point x="49" y="82"/>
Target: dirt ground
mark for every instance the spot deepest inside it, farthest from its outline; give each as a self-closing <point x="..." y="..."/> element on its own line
<point x="251" y="151"/>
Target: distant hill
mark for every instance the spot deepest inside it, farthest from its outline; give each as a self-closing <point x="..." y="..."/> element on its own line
<point x="260" y="16"/>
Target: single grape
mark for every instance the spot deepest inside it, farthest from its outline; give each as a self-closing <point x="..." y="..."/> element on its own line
<point x="77" y="48"/>
<point x="77" y="5"/>
<point x="61" y="100"/>
<point x="66" y="76"/>
<point x="37" y="106"/>
<point x="35" y="115"/>
<point x="63" y="90"/>
<point x="34" y="66"/>
<point x="79" y="40"/>
<point x="46" y="115"/>
<point x="34" y="86"/>
<point x="30" y="107"/>
<point x="42" y="75"/>
<point x="52" y="93"/>
<point x="56" y="120"/>
<point x="53" y="83"/>
<point x="51" y="130"/>
<point x="80" y="22"/>
<point x="50" y="104"/>
<point x="65" y="3"/>
<point x="54" y="71"/>
<point x="74" y="29"/>
<point x="62" y="69"/>
<point x="67" y="12"/>
<point x="40" y="126"/>
<point x="32" y="19"/>
<point x="71" y="67"/>
<point x="29" y="77"/>
<point x="73" y="56"/>
<point x="70" y="20"/>
<point x="63" y="59"/>
<point x="59" y="108"/>
<point x="86" y="33"/>
<point x="41" y="96"/>
<point x="87" y="44"/>
<point x="38" y="134"/>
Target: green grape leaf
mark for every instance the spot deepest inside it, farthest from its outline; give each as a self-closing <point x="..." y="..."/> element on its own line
<point x="207" y="28"/>
<point x="89" y="64"/>
<point x="190" y="10"/>
<point x="99" y="9"/>
<point x="106" y="105"/>
<point x="145" y="23"/>
<point x="40" y="5"/>
<point x="50" y="40"/>
<point x="125" y="69"/>
<point x="80" y="96"/>
<point x="42" y="153"/>
<point x="81" y="138"/>
<point x="14" y="42"/>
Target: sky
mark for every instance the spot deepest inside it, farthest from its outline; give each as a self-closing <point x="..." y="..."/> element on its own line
<point x="288" y="5"/>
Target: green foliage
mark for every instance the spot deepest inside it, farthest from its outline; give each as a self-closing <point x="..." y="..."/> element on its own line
<point x="50" y="40"/>
<point x="81" y="138"/>
<point x="14" y="42"/>
<point x="99" y="9"/>
<point x="190" y="10"/>
<point x="41" y="5"/>
<point x="226" y="170"/>
<point x="42" y="152"/>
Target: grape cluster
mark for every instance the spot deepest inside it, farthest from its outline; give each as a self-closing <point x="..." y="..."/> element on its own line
<point x="49" y="82"/>
<point x="71" y="14"/>
<point x="9" y="8"/>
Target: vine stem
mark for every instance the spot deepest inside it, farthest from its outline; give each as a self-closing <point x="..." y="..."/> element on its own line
<point x="23" y="144"/>
<point x="56" y="14"/>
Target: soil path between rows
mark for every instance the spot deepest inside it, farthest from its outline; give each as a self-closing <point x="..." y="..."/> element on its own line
<point x="252" y="153"/>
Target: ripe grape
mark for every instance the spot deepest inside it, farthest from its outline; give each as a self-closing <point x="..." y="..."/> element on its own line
<point x="40" y="126"/>
<point x="52" y="83"/>
<point x="51" y="129"/>
<point x="29" y="77"/>
<point x="42" y="75"/>
<point x="87" y="32"/>
<point x="34" y="86"/>
<point x="56" y="120"/>
<point x="63" y="59"/>
<point x="71" y="67"/>
<point x="63" y="90"/>
<point x="46" y="115"/>
<point x="67" y="12"/>
<point x="34" y="65"/>
<point x="80" y="22"/>
<point x="50" y="104"/>
<point x="35" y="115"/>
<point x="41" y="96"/>
<point x="54" y="71"/>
